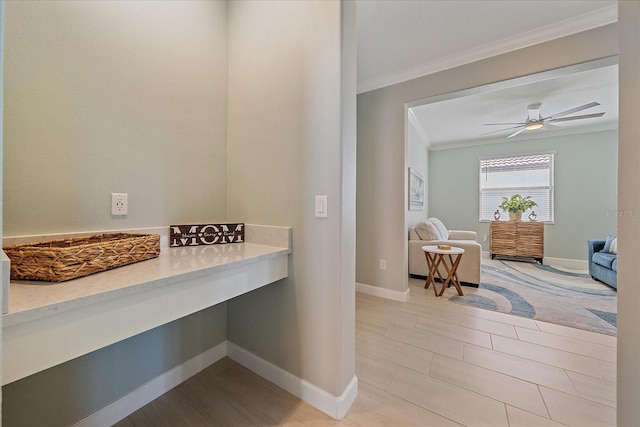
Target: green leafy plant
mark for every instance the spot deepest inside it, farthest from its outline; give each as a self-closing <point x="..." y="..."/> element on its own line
<point x="517" y="203"/>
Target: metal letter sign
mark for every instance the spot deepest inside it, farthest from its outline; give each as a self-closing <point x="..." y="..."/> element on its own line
<point x="206" y="234"/>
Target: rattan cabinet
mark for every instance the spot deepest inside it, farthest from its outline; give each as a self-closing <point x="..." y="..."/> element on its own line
<point x="517" y="239"/>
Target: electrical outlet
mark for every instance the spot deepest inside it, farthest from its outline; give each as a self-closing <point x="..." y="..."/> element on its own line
<point x="382" y="264"/>
<point x="119" y="204"/>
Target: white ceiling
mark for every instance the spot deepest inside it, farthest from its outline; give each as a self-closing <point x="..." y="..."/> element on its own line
<point x="462" y="119"/>
<point x="402" y="39"/>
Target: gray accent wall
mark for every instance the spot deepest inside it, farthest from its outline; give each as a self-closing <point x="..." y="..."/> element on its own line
<point x="124" y="97"/>
<point x="98" y="100"/>
<point x="137" y="97"/>
<point x="585" y="188"/>
<point x="291" y="137"/>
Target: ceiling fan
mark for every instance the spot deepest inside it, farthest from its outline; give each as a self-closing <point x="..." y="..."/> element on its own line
<point x="535" y="120"/>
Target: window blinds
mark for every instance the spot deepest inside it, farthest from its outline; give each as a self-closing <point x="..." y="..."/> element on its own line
<point x="525" y="175"/>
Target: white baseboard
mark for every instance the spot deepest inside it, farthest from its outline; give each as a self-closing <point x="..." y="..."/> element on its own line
<point x="334" y="406"/>
<point x="138" y="398"/>
<point x="402" y="296"/>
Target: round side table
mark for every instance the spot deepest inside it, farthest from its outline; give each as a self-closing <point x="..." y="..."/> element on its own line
<point x="436" y="257"/>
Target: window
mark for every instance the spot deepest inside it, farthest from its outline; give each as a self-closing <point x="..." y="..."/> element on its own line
<point x="525" y="175"/>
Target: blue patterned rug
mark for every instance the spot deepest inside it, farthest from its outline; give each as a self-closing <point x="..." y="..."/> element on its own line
<point x="544" y="293"/>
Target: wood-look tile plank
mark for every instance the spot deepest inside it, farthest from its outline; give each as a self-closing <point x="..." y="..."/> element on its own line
<point x="211" y="403"/>
<point x="596" y="389"/>
<point x="409" y="356"/>
<point x="576" y="411"/>
<point x="607" y="369"/>
<point x="501" y="387"/>
<point x="449" y="330"/>
<point x="372" y="324"/>
<point x="426" y="340"/>
<point x="379" y="320"/>
<point x="375" y="371"/>
<point x="547" y="355"/>
<point x="455" y="403"/>
<point x="585" y="348"/>
<point x="486" y="325"/>
<point x="390" y="314"/>
<point x="580" y="334"/>
<point x="497" y="316"/>
<point x="308" y="416"/>
<point x="137" y="419"/>
<point x="171" y="409"/>
<point x="520" y="418"/>
<point x="375" y="407"/>
<point x="456" y="314"/>
<point x="257" y="399"/>
<point x="528" y="370"/>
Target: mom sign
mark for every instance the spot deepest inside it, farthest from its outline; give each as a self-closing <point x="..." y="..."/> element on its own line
<point x="206" y="234"/>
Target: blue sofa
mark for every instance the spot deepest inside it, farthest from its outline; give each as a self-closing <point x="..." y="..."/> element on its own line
<point x="603" y="266"/>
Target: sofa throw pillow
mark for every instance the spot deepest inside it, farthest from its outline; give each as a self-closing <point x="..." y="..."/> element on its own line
<point x="442" y="230"/>
<point x="607" y="243"/>
<point x="613" y="249"/>
<point x="427" y="231"/>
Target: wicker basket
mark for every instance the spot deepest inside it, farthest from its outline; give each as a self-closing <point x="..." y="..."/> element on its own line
<point x="66" y="259"/>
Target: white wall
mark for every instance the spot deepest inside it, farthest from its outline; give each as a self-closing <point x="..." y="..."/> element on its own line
<point x="381" y="214"/>
<point x="105" y="97"/>
<point x="628" y="384"/>
<point x="132" y="97"/>
<point x="291" y="137"/>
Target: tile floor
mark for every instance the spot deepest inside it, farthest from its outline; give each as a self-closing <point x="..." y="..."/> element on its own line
<point x="482" y="368"/>
<point x="427" y="362"/>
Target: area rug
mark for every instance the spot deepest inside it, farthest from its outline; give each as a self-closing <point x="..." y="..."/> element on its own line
<point x="544" y="293"/>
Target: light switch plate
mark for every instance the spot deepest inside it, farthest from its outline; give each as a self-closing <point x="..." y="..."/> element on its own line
<point x="321" y="207"/>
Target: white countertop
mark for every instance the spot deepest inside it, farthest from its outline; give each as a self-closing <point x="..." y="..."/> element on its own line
<point x="33" y="299"/>
<point x="50" y="323"/>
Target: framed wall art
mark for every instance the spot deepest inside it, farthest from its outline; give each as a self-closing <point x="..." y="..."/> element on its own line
<point x="416" y="191"/>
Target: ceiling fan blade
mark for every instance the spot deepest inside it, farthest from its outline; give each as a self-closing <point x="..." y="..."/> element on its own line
<point x="502" y="130"/>
<point x="550" y="126"/>
<point x="585" y="116"/>
<point x="503" y="124"/>
<point x="516" y="133"/>
<point x="571" y="111"/>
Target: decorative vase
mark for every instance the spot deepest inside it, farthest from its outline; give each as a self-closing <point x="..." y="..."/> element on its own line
<point x="515" y="216"/>
<point x="532" y="216"/>
<point x="496" y="215"/>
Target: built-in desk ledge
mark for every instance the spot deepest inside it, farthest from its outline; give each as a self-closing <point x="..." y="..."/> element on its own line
<point x="50" y="323"/>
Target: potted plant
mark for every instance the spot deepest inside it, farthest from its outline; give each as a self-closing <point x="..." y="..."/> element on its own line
<point x="516" y="205"/>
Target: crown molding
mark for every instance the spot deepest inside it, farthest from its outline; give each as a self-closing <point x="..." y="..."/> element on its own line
<point x="584" y="22"/>
<point x="418" y="127"/>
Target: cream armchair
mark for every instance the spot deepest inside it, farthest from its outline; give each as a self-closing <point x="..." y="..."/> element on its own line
<point x="433" y="232"/>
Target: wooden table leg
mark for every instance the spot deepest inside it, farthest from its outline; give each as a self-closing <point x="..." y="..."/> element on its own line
<point x="432" y="264"/>
<point x="452" y="275"/>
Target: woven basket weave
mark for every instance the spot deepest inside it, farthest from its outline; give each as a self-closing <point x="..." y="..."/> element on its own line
<point x="66" y="259"/>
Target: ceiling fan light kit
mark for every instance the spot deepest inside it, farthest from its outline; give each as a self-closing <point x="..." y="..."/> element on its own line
<point x="536" y="121"/>
<point x="533" y="126"/>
